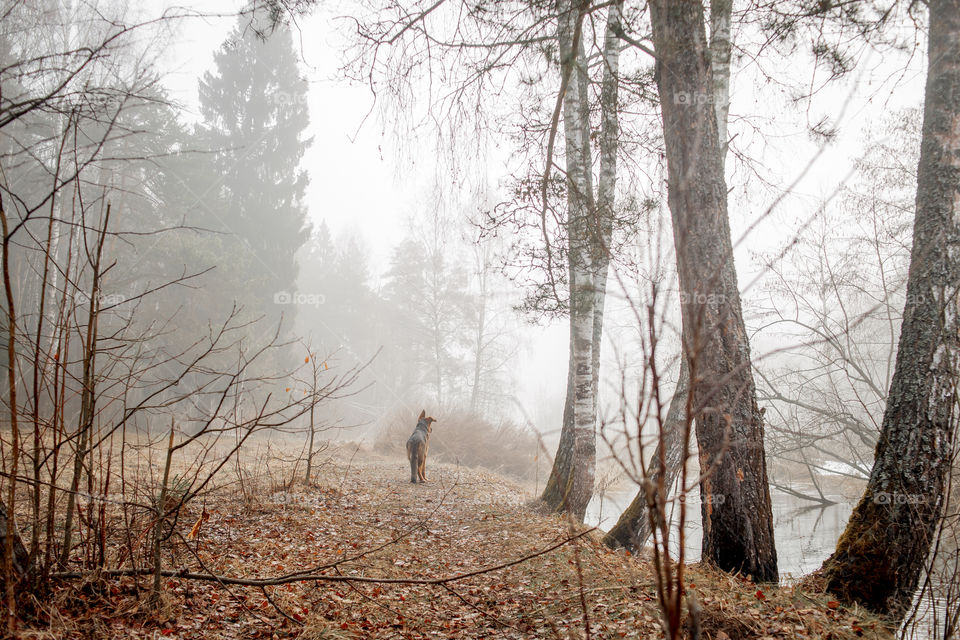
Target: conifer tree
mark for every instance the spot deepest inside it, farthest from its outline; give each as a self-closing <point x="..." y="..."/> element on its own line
<point x="255" y="113"/>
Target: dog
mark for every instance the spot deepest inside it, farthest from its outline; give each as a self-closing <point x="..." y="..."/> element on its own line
<point x="417" y="446"/>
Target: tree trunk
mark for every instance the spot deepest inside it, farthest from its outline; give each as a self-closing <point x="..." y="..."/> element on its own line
<point x="479" y="336"/>
<point x="11" y="539"/>
<point x="570" y="486"/>
<point x="633" y="527"/>
<point x="88" y="396"/>
<point x="883" y="550"/>
<point x="607" y="181"/>
<point x="736" y="514"/>
<point x="721" y="13"/>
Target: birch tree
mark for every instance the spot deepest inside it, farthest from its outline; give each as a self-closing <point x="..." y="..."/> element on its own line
<point x="590" y="228"/>
<point x="880" y="556"/>
<point x="478" y="47"/>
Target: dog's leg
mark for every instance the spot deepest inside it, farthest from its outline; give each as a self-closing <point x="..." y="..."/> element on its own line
<point x="414" y="464"/>
<point x="423" y="465"/>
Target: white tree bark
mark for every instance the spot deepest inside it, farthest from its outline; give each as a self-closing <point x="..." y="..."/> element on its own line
<point x="579" y="200"/>
<point x="721" y="43"/>
<point x="571" y="482"/>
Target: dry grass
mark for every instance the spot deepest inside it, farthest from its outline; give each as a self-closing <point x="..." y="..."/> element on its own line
<point x="460" y="437"/>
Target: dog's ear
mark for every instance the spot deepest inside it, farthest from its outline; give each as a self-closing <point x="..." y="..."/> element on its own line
<point x="423" y="414"/>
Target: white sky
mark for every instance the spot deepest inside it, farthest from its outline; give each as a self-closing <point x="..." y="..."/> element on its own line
<point x="354" y="182"/>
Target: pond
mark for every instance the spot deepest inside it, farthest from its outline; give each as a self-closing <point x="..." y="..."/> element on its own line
<point x="805" y="532"/>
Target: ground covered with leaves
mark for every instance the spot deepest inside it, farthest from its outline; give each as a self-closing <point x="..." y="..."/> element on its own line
<point x="379" y="550"/>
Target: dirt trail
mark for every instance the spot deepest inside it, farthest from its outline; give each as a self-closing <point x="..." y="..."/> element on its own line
<point x="366" y="520"/>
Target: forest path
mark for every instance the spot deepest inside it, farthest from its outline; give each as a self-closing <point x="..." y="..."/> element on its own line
<point x="363" y="518"/>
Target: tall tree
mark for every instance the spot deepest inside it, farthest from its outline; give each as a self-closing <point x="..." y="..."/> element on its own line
<point x="255" y="113"/>
<point x="882" y="552"/>
<point x="589" y="231"/>
<point x="635" y="524"/>
<point x="428" y="290"/>
<point x="736" y="513"/>
<point x="494" y="342"/>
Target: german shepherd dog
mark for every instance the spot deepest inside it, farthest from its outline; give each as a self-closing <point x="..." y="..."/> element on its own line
<point x="417" y="446"/>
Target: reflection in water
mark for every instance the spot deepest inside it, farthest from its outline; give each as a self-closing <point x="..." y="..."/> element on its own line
<point x="805" y="533"/>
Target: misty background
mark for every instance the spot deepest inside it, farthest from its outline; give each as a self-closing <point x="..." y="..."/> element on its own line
<point x="373" y="188"/>
<point x="379" y="226"/>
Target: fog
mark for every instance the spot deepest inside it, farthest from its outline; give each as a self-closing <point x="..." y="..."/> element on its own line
<point x="304" y="224"/>
<point x="374" y="176"/>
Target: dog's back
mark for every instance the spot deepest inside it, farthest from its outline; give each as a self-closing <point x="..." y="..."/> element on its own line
<point x="417" y="445"/>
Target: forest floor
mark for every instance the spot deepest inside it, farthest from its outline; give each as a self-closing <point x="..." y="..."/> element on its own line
<point x="363" y="519"/>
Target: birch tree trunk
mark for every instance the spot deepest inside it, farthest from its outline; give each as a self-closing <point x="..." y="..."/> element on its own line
<point x="570" y="486"/>
<point x="883" y="550"/>
<point x="607" y="180"/>
<point x="736" y="514"/>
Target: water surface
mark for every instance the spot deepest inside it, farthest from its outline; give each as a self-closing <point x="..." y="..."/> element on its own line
<point x="806" y="533"/>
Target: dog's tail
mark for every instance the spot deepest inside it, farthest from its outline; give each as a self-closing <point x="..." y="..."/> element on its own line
<point x="413" y="453"/>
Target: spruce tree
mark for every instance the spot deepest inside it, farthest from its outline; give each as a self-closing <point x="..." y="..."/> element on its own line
<point x="254" y="111"/>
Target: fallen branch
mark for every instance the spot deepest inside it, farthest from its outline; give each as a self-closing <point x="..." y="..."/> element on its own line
<point x="270" y="582"/>
<point x="826" y="502"/>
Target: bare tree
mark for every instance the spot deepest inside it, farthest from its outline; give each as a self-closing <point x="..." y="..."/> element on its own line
<point x="634" y="525"/>
<point x="570" y="486"/>
<point x="88" y="367"/>
<point x="590" y="225"/>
